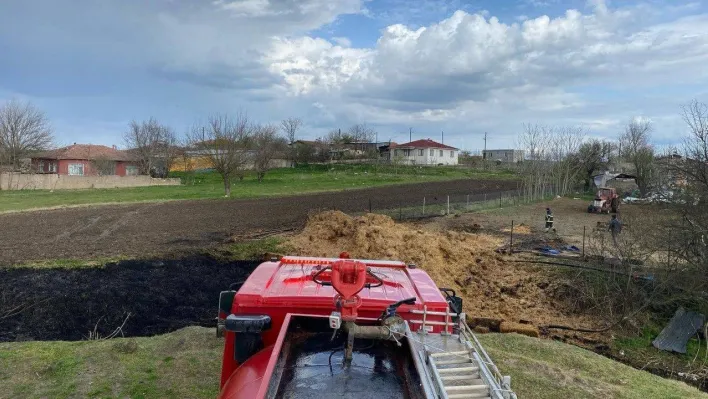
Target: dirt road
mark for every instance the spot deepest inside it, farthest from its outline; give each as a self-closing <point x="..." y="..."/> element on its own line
<point x="144" y="229"/>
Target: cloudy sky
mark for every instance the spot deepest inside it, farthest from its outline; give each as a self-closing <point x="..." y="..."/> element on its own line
<point x="459" y="66"/>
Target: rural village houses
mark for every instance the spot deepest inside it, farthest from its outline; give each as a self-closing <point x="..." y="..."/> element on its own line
<point x="424" y="152"/>
<point x="84" y="160"/>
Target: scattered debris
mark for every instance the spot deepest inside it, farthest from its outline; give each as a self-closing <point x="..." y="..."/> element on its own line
<point x="680" y="329"/>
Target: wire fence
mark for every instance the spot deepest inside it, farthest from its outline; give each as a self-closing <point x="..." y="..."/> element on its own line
<point x="450" y="204"/>
<point x="590" y="242"/>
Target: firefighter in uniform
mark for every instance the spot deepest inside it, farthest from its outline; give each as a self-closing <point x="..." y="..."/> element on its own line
<point x="615" y="228"/>
<point x="549" y="221"/>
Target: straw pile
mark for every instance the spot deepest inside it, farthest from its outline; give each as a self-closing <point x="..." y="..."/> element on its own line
<point x="463" y="261"/>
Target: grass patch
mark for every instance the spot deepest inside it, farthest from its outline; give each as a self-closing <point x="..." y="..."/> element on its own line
<point x="638" y="349"/>
<point x="183" y="364"/>
<point x="550" y="369"/>
<point x="69" y="263"/>
<point x="186" y="364"/>
<point x="278" y="182"/>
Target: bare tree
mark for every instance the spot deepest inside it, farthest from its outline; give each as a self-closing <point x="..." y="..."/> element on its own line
<point x="535" y="142"/>
<point x="225" y="141"/>
<point x="266" y="144"/>
<point x="695" y="146"/>
<point x="637" y="150"/>
<point x="23" y="129"/>
<point x="361" y="133"/>
<point x="290" y="126"/>
<point x="693" y="169"/>
<point x="565" y="144"/>
<point x="154" y="145"/>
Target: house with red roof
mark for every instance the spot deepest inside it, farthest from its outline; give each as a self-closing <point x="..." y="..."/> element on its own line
<point x="425" y="152"/>
<point x="85" y="160"/>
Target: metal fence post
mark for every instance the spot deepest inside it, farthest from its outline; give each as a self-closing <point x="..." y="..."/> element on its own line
<point x="468" y="200"/>
<point x="500" y="195"/>
<point x="584" y="227"/>
<point x="485" y="197"/>
<point x="448" y="204"/>
<point x="369" y="205"/>
<point x="423" y="206"/>
<point x="511" y="239"/>
<point x="400" y="212"/>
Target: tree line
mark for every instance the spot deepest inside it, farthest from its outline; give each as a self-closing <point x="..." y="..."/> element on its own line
<point x="231" y="144"/>
<point x="559" y="160"/>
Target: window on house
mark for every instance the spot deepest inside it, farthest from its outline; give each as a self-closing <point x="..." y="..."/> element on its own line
<point x="407" y="153"/>
<point x="452" y="154"/>
<point x="76" y="169"/>
<point x="131" y="170"/>
<point x="432" y="152"/>
<point x="52" y="167"/>
<point x="420" y="153"/>
<point x="40" y="168"/>
<point x="441" y="153"/>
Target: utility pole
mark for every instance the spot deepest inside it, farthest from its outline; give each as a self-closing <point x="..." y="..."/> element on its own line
<point x="410" y="134"/>
<point x="442" y="137"/>
<point x="484" y="153"/>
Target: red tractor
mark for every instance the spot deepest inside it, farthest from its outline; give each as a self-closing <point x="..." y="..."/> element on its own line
<point x="606" y="200"/>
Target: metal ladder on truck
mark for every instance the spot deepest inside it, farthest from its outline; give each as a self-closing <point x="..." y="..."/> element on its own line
<point x="458" y="365"/>
<point x="457" y="375"/>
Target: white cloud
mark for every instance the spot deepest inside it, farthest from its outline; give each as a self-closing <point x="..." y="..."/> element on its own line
<point x="252" y="8"/>
<point x="469" y="71"/>
<point x="342" y="41"/>
<point x="468" y="63"/>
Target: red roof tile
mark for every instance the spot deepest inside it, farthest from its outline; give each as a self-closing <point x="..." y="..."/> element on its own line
<point x="427" y="143"/>
<point x="85" y="152"/>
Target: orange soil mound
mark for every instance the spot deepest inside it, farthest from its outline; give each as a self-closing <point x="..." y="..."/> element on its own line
<point x="463" y="261"/>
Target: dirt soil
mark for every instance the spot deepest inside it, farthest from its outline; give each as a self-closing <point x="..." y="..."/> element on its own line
<point x="160" y="295"/>
<point x="466" y="262"/>
<point x="144" y="229"/>
<point x="569" y="219"/>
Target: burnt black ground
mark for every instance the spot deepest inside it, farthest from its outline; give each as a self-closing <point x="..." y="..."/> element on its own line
<point x="161" y="295"/>
<point x="151" y="229"/>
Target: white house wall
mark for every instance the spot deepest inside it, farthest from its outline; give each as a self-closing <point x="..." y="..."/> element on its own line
<point x="427" y="159"/>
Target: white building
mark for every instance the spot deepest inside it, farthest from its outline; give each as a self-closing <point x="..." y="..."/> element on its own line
<point x="425" y="152"/>
<point x="506" y="156"/>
